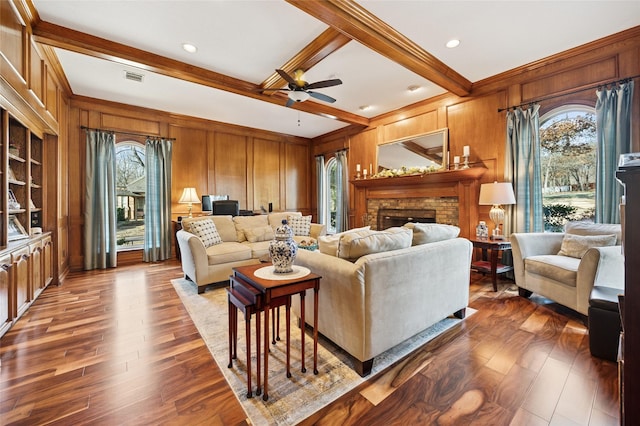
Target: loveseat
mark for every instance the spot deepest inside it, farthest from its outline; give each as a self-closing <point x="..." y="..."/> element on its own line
<point x="370" y="300"/>
<point x="565" y="266"/>
<point x="211" y="246"/>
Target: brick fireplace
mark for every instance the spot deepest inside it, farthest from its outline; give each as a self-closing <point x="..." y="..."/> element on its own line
<point x="384" y="213"/>
<point x="452" y="194"/>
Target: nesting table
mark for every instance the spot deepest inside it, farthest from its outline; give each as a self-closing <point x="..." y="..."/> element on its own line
<point x="269" y="294"/>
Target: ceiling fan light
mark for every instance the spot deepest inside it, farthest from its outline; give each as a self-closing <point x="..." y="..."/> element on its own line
<point x="298" y="96"/>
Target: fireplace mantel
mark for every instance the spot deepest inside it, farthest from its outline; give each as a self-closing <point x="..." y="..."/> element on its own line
<point x="462" y="184"/>
<point x="447" y="176"/>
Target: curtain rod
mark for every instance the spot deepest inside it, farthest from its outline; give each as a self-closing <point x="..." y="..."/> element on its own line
<point x="570" y="93"/>
<point x="126" y="133"/>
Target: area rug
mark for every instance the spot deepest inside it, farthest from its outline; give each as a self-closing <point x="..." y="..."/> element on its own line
<point x="290" y="399"/>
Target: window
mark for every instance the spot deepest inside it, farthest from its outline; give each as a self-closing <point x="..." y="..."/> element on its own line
<point x="131" y="186"/>
<point x="331" y="197"/>
<point x="568" y="164"/>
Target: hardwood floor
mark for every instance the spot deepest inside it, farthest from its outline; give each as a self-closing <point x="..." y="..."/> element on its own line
<point x="118" y="347"/>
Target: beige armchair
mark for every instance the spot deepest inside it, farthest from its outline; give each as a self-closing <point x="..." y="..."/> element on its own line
<point x="568" y="279"/>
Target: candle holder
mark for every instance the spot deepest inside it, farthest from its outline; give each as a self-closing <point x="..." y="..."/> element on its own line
<point x="466" y="162"/>
<point x="357" y="175"/>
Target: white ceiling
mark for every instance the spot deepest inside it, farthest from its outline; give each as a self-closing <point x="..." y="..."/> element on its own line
<point x="248" y="40"/>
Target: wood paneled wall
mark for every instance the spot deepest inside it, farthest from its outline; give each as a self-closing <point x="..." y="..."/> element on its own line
<point x="254" y="167"/>
<point x="474" y="120"/>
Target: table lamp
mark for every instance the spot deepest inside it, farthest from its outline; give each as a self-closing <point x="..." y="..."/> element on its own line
<point x="496" y="194"/>
<point x="189" y="196"/>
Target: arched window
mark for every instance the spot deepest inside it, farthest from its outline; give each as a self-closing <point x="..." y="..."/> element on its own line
<point x="131" y="186"/>
<point x="331" y="196"/>
<point x="568" y="163"/>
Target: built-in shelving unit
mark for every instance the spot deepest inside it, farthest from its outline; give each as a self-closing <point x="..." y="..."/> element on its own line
<point x="26" y="252"/>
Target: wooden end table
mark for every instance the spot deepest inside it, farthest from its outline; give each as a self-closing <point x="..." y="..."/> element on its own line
<point x="491" y="266"/>
<point x="273" y="292"/>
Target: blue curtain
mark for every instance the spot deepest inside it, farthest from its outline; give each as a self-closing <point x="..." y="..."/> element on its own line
<point x="523" y="170"/>
<point x="342" y="192"/>
<point x="157" y="218"/>
<point x="320" y="189"/>
<point x="100" y="248"/>
<point x="613" y="137"/>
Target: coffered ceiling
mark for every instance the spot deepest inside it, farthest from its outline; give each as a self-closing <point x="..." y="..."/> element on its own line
<point x="378" y="48"/>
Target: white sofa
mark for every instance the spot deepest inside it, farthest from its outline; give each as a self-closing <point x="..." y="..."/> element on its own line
<point x="369" y="305"/>
<point x="213" y="264"/>
<point x="568" y="277"/>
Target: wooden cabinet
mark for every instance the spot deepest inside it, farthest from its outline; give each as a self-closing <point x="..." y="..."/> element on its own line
<point x="6" y="296"/>
<point x="35" y="269"/>
<point x="22" y="283"/>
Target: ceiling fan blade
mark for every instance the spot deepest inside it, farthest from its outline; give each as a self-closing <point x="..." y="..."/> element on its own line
<point x="286" y="77"/>
<point x="290" y="102"/>
<point x="324" y="83"/>
<point x="322" y="97"/>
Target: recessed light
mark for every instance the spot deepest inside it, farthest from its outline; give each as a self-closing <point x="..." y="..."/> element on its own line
<point x="189" y="47"/>
<point x="453" y="43"/>
<point x="364" y="107"/>
<point x="413" y="88"/>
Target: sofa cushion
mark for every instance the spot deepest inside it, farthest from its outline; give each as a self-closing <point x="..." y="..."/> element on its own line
<point x="589" y="228"/>
<point x="559" y="268"/>
<point x="225" y="227"/>
<point x="261" y="233"/>
<point x="354" y="245"/>
<point x="206" y="231"/>
<point x="424" y="233"/>
<point x="228" y="252"/>
<point x="577" y="245"/>
<point x="300" y="225"/>
<point x="275" y="219"/>
<point x="328" y="244"/>
<point x="248" y="222"/>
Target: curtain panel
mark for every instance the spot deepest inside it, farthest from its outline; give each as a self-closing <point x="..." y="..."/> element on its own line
<point x="100" y="246"/>
<point x="320" y="189"/>
<point x="613" y="138"/>
<point x="157" y="218"/>
<point x="523" y="169"/>
<point x="342" y="192"/>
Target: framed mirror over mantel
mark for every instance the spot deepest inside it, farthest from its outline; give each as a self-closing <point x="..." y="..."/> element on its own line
<point x="423" y="151"/>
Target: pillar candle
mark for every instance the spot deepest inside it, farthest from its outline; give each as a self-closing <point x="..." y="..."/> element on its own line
<point x="456" y="159"/>
<point x="465" y="150"/>
<point x="357" y="167"/>
<point x="364" y="172"/>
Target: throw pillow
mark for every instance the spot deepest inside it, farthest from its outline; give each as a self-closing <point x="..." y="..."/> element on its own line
<point x="262" y="233"/>
<point x="328" y="244"/>
<point x="243" y="223"/>
<point x="206" y="231"/>
<point x="424" y="233"/>
<point x="300" y="225"/>
<point x="577" y="245"/>
<point x="590" y="228"/>
<point x="357" y="244"/>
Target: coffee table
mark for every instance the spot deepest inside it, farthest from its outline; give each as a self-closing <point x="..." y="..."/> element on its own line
<point x="273" y="291"/>
<point x="491" y="266"/>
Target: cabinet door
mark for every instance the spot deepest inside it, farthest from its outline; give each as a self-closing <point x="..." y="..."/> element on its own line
<point x="20" y="260"/>
<point x="35" y="268"/>
<point x="47" y="260"/>
<point x="6" y="294"/>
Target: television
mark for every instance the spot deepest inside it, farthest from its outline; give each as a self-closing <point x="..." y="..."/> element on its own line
<point x="225" y="207"/>
<point x="207" y="199"/>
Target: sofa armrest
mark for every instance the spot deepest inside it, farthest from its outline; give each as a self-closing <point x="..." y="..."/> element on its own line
<point x="525" y="245"/>
<point x="601" y="266"/>
<point x="193" y="254"/>
<point x="317" y="230"/>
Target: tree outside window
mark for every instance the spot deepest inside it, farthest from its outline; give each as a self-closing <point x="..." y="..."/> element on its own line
<point x="568" y="160"/>
<point x="130" y="191"/>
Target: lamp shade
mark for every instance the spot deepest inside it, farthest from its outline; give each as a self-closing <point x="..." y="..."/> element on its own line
<point x="189" y="195"/>
<point x="496" y="193"/>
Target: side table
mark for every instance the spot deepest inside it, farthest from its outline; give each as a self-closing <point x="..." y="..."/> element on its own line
<point x="491" y="266"/>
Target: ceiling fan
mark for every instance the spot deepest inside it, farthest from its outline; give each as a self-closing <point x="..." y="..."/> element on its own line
<point x="299" y="90"/>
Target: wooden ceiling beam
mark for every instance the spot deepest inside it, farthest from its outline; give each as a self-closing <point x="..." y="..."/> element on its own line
<point x="53" y="35"/>
<point x="359" y="24"/>
<point x="321" y="47"/>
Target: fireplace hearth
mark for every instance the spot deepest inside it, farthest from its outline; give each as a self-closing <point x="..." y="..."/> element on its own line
<point x="388" y="218"/>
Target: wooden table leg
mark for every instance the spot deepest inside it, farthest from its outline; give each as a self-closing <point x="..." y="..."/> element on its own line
<point x="232" y="311"/>
<point x="288" y="335"/>
<point x="494" y="268"/>
<point x="302" y="322"/>
<point x="258" y="379"/>
<point x="315" y="328"/>
<point x="247" y="330"/>
<point x="265" y="395"/>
